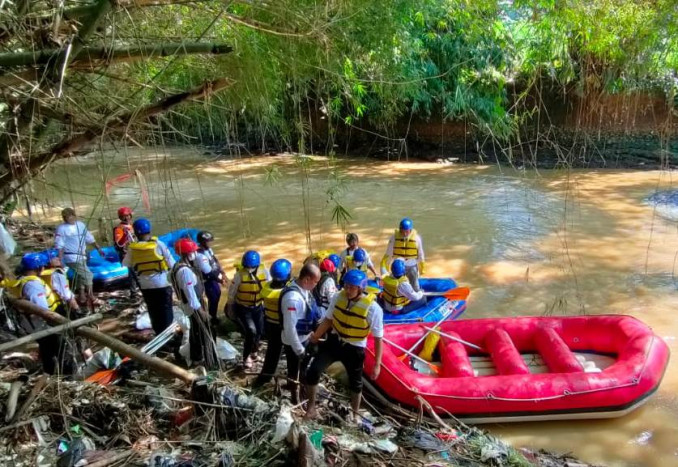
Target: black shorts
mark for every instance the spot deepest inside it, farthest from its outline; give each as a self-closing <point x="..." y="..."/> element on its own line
<point x="333" y="350"/>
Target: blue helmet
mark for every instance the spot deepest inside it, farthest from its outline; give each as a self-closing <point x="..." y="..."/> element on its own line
<point x="356" y="277"/>
<point x="359" y="256"/>
<point x="281" y="269"/>
<point x="33" y="261"/>
<point x="251" y="259"/>
<point x="142" y="226"/>
<point x="398" y="268"/>
<point x="336" y="259"/>
<point x="406" y="224"/>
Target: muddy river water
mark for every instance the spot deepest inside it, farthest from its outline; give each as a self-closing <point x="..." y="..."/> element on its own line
<point x="527" y="243"/>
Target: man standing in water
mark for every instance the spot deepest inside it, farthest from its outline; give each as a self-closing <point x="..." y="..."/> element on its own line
<point x="352" y="315"/>
<point x="71" y="240"/>
<point x="406" y="243"/>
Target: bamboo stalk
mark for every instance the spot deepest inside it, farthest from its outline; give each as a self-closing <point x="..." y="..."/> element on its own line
<point x="89" y="56"/>
<point x="48" y="332"/>
<point x="151" y="362"/>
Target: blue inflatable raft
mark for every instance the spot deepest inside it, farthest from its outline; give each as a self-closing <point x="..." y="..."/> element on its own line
<point x="435" y="308"/>
<point x="109" y="273"/>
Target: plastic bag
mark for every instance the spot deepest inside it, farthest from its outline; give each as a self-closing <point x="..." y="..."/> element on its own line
<point x="225" y="351"/>
<point x="282" y="424"/>
<point x="7" y="243"/>
<point x="143" y="321"/>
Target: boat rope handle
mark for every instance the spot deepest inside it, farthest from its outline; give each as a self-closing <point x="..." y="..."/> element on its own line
<point x="634" y="382"/>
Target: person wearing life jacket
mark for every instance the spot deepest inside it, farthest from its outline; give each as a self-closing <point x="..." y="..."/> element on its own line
<point x="281" y="274"/>
<point x="56" y="278"/>
<point x="189" y="289"/>
<point x="327" y="287"/>
<point x="151" y="261"/>
<point x="53" y="349"/>
<point x="213" y="275"/>
<point x="245" y="303"/>
<point x="406" y="243"/>
<point x="398" y="296"/>
<point x="123" y="235"/>
<point x="300" y="318"/>
<point x="71" y="239"/>
<point x="337" y="261"/>
<point x="350" y="261"/>
<point x="352" y="315"/>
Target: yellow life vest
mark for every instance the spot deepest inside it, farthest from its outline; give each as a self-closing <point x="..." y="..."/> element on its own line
<point x="52" y="300"/>
<point x="145" y="259"/>
<point x="350" y="320"/>
<point x="271" y="298"/>
<point x="350" y="264"/>
<point x="405" y="247"/>
<point x="12" y="286"/>
<point x="390" y="292"/>
<point x="46" y="274"/>
<point x="249" y="290"/>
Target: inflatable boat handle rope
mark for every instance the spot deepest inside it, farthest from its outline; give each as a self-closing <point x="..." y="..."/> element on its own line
<point x="634" y="381"/>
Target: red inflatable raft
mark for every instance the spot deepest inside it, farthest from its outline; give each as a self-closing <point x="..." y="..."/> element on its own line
<point x="530" y="368"/>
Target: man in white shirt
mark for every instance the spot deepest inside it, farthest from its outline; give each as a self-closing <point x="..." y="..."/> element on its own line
<point x="299" y="319"/>
<point x="71" y="239"/>
<point x="398" y="296"/>
<point x="59" y="283"/>
<point x="352" y="315"/>
<point x="151" y="260"/>
<point x="53" y="349"/>
<point x="190" y="291"/>
<point x="406" y="243"/>
<point x="213" y="276"/>
<point x="347" y="260"/>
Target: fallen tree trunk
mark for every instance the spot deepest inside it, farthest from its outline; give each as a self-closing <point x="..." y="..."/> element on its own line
<point x="154" y="363"/>
<point x="90" y="56"/>
<point x="48" y="332"/>
<point x="10" y="181"/>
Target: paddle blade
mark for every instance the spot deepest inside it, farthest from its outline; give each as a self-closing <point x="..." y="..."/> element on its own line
<point x="103" y="377"/>
<point x="459" y="293"/>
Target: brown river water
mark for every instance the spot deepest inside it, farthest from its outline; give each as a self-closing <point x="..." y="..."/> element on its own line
<point x="527" y="243"/>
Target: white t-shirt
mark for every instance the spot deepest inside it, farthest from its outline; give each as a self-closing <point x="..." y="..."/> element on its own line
<point x="375" y="318"/>
<point x="203" y="261"/>
<point x="155" y="280"/>
<point x="60" y="286"/>
<point x="34" y="292"/>
<point x="292" y="309"/>
<point x="411" y="261"/>
<point x="186" y="281"/>
<point x="73" y="239"/>
<point x="328" y="290"/>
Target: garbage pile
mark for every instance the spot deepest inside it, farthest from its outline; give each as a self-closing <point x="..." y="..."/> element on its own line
<point x="157" y="422"/>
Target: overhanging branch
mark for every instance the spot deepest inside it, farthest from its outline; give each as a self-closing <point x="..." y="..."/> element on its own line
<point x="10" y="182"/>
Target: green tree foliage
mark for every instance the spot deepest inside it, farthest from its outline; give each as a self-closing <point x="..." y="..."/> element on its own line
<point x="362" y="63"/>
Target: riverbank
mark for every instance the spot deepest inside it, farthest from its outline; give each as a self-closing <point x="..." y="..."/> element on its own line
<point x="149" y="420"/>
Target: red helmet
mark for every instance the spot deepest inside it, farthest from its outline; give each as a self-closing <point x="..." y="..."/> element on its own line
<point x="185" y="246"/>
<point x="124" y="211"/>
<point x="327" y="265"/>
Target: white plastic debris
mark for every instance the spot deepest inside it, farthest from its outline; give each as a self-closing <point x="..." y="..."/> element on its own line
<point x="143" y="321"/>
<point x="283" y="424"/>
